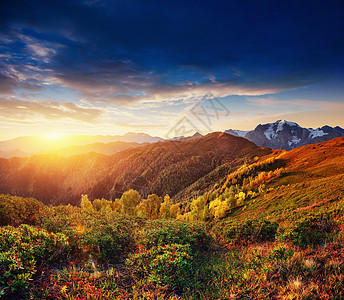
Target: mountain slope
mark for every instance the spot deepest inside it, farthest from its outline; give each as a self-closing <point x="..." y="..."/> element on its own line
<point x="282" y="185"/>
<point x="155" y="168"/>
<point x="313" y="179"/>
<point x="101" y="148"/>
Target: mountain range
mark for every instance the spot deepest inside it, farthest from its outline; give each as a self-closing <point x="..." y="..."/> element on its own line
<point x="71" y="145"/>
<point x="184" y="169"/>
<point x="281" y="134"/>
<point x="154" y="168"/>
<point x="287" y="135"/>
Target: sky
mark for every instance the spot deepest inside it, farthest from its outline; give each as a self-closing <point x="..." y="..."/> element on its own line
<point x="168" y="68"/>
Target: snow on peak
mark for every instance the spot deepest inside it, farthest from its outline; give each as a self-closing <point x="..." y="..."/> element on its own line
<point x="313" y="133"/>
<point x="282" y="122"/>
<point x="294" y="141"/>
<point x="280" y="126"/>
<point x="270" y="133"/>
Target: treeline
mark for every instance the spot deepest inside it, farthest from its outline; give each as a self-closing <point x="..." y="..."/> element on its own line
<point x="235" y="190"/>
<point x="132" y="204"/>
<point x="232" y="191"/>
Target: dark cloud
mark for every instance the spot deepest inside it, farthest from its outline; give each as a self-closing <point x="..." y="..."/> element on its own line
<point x="7" y="84"/>
<point x="123" y="52"/>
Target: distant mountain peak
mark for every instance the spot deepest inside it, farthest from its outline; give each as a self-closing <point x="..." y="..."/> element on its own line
<point x="316" y="133"/>
<point x="236" y="132"/>
<point x="197" y="135"/>
<point x="288" y="135"/>
<point x="287" y="122"/>
<point x="130" y="133"/>
<point x="281" y="123"/>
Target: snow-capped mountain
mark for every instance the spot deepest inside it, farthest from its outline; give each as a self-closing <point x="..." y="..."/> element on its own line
<point x="289" y="135"/>
<point x="235" y="132"/>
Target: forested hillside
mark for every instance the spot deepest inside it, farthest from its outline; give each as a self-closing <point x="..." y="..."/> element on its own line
<point x="160" y="168"/>
<point x="277" y="186"/>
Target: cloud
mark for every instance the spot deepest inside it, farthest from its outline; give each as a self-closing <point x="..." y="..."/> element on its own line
<point x="7" y="83"/>
<point x="138" y="126"/>
<point x="102" y="48"/>
<point x="21" y="110"/>
<point x="122" y="84"/>
<point x="114" y="54"/>
<point x="299" y="104"/>
<point x="41" y="51"/>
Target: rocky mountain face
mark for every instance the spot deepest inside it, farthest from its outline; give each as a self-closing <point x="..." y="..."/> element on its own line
<point x="289" y="135"/>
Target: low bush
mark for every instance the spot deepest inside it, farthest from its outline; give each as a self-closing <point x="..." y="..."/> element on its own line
<point x="169" y="266"/>
<point x="22" y="249"/>
<point x="108" y="242"/>
<point x="160" y="233"/>
<point x="249" y="231"/>
<point x="106" y="236"/>
<point x="312" y="230"/>
<point x="17" y="210"/>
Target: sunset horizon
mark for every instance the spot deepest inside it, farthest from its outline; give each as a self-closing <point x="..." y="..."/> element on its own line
<point x="102" y="67"/>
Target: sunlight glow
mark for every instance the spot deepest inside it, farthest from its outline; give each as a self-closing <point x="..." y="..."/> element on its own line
<point x="53" y="136"/>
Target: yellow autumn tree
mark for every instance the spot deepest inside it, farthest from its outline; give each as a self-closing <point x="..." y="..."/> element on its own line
<point x="115" y="206"/>
<point x="129" y="201"/>
<point x="165" y="208"/>
<point x="150" y="207"/>
<point x="197" y="209"/>
<point x="102" y="205"/>
<point x="175" y="210"/>
<point x="85" y="203"/>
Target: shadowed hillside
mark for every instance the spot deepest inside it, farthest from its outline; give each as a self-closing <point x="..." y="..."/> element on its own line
<point x="156" y="168"/>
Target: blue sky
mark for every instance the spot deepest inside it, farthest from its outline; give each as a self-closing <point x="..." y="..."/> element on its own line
<point x="109" y="67"/>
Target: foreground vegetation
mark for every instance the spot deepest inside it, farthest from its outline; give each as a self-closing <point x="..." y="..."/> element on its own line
<point x="69" y="252"/>
<point x="254" y="228"/>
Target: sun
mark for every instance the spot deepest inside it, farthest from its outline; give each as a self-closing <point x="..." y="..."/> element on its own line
<point x="53" y="136"/>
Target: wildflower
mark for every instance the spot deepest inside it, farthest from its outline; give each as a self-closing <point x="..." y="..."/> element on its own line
<point x="296" y="283"/>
